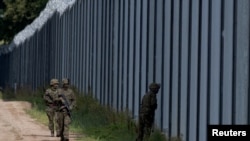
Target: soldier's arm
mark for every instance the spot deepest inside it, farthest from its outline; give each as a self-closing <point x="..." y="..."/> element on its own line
<point x="60" y="102"/>
<point x="47" y="97"/>
<point x="146" y="103"/>
<point x="153" y="102"/>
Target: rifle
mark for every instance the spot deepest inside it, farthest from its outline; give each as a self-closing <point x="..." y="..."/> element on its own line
<point x="66" y="104"/>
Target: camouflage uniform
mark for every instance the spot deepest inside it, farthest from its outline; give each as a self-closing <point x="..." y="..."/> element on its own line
<point x="50" y="97"/>
<point x="147" y="112"/>
<point x="64" y="117"/>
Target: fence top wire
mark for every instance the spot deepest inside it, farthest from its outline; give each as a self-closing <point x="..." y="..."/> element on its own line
<point x="52" y="7"/>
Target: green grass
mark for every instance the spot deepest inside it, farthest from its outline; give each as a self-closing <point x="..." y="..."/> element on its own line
<point x="92" y="121"/>
<point x="1" y="95"/>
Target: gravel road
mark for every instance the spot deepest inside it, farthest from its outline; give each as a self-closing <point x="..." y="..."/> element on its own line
<point x="16" y="125"/>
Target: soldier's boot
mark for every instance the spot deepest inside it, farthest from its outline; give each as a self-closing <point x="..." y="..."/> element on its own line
<point x="64" y="139"/>
<point x="52" y="133"/>
<point x="58" y="134"/>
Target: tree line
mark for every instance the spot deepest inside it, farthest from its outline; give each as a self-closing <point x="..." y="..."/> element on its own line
<point x="16" y="14"/>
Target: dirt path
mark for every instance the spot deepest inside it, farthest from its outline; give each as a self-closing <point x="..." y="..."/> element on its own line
<point x="16" y="125"/>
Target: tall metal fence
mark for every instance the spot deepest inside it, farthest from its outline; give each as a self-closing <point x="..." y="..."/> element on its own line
<point x="197" y="49"/>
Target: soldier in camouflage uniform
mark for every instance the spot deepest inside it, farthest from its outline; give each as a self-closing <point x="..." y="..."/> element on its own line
<point x="147" y="112"/>
<point x="68" y="102"/>
<point x="50" y="97"/>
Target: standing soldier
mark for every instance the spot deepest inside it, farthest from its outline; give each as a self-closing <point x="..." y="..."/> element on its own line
<point x="147" y="112"/>
<point x="67" y="103"/>
<point x="50" y="96"/>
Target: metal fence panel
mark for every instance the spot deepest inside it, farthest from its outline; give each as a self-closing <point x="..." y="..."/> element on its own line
<point x="242" y="64"/>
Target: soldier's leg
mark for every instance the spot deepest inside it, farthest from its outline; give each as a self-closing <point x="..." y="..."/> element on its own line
<point x="50" y="115"/>
<point x="140" y="129"/>
<point x="56" y="122"/>
<point x="67" y="122"/>
<point x="148" y="127"/>
<point x="59" y="123"/>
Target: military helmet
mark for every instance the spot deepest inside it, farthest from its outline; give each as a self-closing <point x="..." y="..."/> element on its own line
<point x="65" y="81"/>
<point x="154" y="86"/>
<point x="54" y="81"/>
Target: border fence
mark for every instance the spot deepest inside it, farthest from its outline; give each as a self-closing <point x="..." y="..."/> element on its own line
<point x="198" y="50"/>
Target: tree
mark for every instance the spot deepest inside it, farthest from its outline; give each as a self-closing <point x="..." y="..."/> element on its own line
<point x="18" y="14"/>
<point x="1" y="6"/>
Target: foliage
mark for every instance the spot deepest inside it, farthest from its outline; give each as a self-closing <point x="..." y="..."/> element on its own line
<point x="17" y="15"/>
